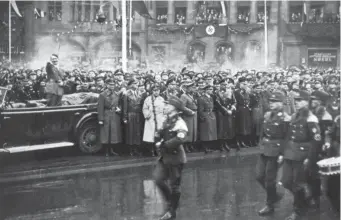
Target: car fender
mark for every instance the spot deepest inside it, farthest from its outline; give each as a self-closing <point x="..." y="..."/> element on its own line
<point x="86" y="118"/>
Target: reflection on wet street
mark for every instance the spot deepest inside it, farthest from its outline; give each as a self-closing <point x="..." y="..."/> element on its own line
<point x="212" y="189"/>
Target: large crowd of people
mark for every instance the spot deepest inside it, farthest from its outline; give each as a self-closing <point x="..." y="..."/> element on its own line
<point x="292" y="114"/>
<point x="221" y="106"/>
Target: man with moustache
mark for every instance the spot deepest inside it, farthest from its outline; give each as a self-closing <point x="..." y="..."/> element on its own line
<point x="272" y="137"/>
<point x="54" y="86"/>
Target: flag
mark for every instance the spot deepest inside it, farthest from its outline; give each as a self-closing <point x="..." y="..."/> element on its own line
<point x="39" y="13"/>
<point x="304" y="17"/>
<point x="15" y="7"/>
<point x="140" y="7"/>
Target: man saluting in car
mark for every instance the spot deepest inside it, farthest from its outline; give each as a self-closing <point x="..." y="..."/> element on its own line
<point x="54" y="86"/>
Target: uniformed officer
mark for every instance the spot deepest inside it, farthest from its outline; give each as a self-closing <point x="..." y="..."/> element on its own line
<point x="299" y="150"/>
<point x="172" y="156"/>
<point x="109" y="116"/>
<point x="318" y="101"/>
<point x="272" y="136"/>
<point x="332" y="148"/>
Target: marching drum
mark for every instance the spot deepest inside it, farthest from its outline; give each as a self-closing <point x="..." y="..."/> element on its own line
<point x="330" y="166"/>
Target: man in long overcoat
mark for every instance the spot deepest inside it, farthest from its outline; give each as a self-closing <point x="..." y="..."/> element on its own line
<point x="190" y="115"/>
<point x="54" y="86"/>
<point x="132" y="117"/>
<point x="243" y="113"/>
<point x="207" y="118"/>
<point x="225" y="103"/>
<point x="109" y="116"/>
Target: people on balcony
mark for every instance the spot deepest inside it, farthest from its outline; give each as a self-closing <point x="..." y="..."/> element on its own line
<point x="261" y="17"/>
<point x="209" y="16"/>
<point x="180" y="19"/>
<point x="296" y="17"/>
<point x="161" y="19"/>
<point x="243" y="17"/>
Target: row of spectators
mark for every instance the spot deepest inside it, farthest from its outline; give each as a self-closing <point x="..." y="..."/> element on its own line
<point x="315" y="17"/>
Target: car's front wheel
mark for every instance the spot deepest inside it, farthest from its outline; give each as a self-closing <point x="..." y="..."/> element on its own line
<point x="88" y="141"/>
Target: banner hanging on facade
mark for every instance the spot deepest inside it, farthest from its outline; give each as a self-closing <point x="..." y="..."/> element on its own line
<point x="322" y="57"/>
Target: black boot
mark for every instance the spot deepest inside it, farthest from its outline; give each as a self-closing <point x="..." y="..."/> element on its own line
<point x="267" y="210"/>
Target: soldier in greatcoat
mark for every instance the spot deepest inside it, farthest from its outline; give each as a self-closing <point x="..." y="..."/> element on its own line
<point x="303" y="138"/>
<point x="169" y="166"/>
<point x="226" y="110"/>
<point x="190" y="115"/>
<point x="243" y="113"/>
<point x="132" y="117"/>
<point x="258" y="108"/>
<point x="207" y="119"/>
<point x="272" y="139"/>
<point x="109" y="117"/>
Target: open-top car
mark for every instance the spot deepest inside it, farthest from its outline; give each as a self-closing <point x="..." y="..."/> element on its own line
<point x="34" y="126"/>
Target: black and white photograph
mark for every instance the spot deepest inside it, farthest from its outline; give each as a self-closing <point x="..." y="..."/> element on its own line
<point x="170" y="110"/>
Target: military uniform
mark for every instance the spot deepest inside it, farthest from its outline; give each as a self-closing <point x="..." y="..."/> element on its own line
<point x="132" y="116"/>
<point x="171" y="161"/>
<point x="109" y="113"/>
<point x="272" y="138"/>
<point x="302" y="146"/>
<point x="333" y="182"/>
<point x="325" y="121"/>
<point x="190" y="116"/>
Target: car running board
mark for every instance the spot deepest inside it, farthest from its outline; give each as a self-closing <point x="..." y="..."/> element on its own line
<point x="27" y="148"/>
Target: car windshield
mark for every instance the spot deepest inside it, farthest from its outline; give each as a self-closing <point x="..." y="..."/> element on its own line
<point x="3" y="92"/>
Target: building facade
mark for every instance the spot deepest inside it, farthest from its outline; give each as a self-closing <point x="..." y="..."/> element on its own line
<point x="224" y="32"/>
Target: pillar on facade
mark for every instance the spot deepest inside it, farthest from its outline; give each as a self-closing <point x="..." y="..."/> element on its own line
<point x="44" y="7"/>
<point x="253" y="12"/>
<point x="29" y="30"/>
<point x="83" y="10"/>
<point x="274" y="12"/>
<point x="66" y="12"/>
<point x="308" y="5"/>
<point x="152" y="11"/>
<point x="111" y="12"/>
<point x="75" y="11"/>
<point x="170" y="13"/>
<point x="92" y="10"/>
<point x="285" y="10"/>
<point x="233" y="12"/>
<point x="190" y="14"/>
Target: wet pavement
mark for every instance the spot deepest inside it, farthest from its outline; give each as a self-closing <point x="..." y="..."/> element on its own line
<point x="212" y="188"/>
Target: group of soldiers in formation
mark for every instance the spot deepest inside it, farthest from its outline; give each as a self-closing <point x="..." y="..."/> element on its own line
<point x="292" y="115"/>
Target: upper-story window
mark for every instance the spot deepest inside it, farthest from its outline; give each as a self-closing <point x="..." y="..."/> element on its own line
<point x="180" y="15"/>
<point x="296" y="11"/>
<point x="209" y="13"/>
<point x="261" y="14"/>
<point x="55" y="10"/>
<point x="243" y="12"/>
<point x="161" y="15"/>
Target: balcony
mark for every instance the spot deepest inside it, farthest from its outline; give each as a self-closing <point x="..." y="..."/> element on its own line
<point x="314" y="29"/>
<point x="85" y="27"/>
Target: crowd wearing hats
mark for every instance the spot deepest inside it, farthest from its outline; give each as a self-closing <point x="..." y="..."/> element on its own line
<point x="222" y="109"/>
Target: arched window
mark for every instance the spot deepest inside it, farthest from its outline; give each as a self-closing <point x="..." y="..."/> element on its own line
<point x="196" y="52"/>
<point x="224" y="52"/>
